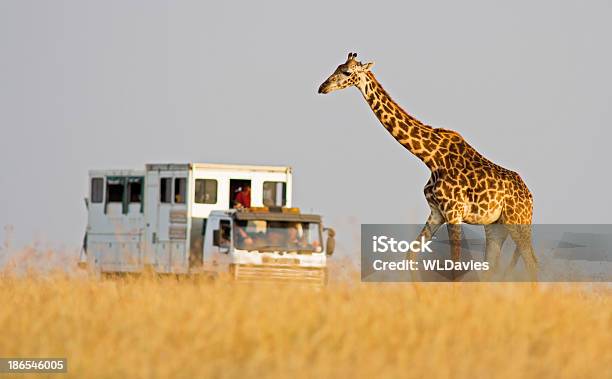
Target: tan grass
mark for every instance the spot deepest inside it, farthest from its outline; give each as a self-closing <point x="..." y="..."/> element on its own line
<point x="151" y="328"/>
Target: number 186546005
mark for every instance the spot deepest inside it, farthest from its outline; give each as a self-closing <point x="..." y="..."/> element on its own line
<point x="42" y="365"/>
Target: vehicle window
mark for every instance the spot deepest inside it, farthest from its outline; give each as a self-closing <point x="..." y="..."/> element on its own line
<point x="206" y="191"/>
<point x="266" y="235"/>
<point x="180" y="190"/>
<point x="135" y="189"/>
<point x="165" y="190"/>
<point x="97" y="190"/>
<point x="114" y="190"/>
<point x="274" y="194"/>
<point x="226" y="229"/>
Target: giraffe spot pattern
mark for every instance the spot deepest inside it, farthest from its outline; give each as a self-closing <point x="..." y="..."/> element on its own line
<point x="463" y="176"/>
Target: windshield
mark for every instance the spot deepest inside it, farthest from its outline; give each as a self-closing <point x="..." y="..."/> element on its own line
<point x="265" y="235"/>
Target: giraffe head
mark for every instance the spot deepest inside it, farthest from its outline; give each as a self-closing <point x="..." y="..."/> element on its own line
<point x="349" y="73"/>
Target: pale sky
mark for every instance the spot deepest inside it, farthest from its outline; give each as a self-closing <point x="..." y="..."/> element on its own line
<point x="117" y="84"/>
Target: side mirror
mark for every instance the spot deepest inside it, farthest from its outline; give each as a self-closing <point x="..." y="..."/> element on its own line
<point x="330" y="244"/>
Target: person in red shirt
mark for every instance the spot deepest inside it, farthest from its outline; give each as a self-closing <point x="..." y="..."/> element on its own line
<point x="243" y="198"/>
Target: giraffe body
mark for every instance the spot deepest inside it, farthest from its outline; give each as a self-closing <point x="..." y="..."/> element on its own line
<point x="464" y="186"/>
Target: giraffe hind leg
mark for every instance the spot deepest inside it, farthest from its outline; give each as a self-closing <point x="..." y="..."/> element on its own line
<point x="515" y="257"/>
<point x="521" y="234"/>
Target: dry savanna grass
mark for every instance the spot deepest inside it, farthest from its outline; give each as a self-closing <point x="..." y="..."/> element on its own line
<point x="158" y="328"/>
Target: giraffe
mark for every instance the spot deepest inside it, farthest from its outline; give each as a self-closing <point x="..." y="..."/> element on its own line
<point x="464" y="186"/>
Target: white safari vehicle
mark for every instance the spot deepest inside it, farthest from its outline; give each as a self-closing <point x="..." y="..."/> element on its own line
<point x="185" y="219"/>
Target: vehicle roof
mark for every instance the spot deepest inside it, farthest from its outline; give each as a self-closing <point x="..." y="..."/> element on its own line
<point x="216" y="166"/>
<point x="188" y="166"/>
<point x="117" y="172"/>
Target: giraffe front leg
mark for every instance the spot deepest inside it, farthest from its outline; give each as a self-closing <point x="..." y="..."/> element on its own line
<point x="454" y="221"/>
<point x="433" y="223"/>
<point x="454" y="234"/>
<point x="495" y="236"/>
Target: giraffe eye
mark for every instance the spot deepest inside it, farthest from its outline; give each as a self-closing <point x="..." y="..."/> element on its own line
<point x="346" y="73"/>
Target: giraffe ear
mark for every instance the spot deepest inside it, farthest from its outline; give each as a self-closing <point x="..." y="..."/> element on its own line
<point x="367" y="66"/>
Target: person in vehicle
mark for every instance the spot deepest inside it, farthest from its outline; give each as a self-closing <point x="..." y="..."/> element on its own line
<point x="244" y="239"/>
<point x="225" y="238"/>
<point x="243" y="198"/>
<point x="293" y="234"/>
<point x="268" y="197"/>
<point x="293" y="237"/>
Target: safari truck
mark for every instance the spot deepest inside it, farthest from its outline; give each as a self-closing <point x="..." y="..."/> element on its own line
<point x="185" y="219"/>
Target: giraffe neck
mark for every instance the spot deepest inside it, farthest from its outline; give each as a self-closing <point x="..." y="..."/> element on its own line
<point x="415" y="136"/>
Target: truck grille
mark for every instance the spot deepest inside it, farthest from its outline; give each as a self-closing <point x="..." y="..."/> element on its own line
<point x="279" y="273"/>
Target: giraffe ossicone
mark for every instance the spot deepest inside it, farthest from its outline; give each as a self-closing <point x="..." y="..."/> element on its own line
<point x="464" y="186"/>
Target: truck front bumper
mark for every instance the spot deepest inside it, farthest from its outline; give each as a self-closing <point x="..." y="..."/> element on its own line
<point x="279" y="273"/>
